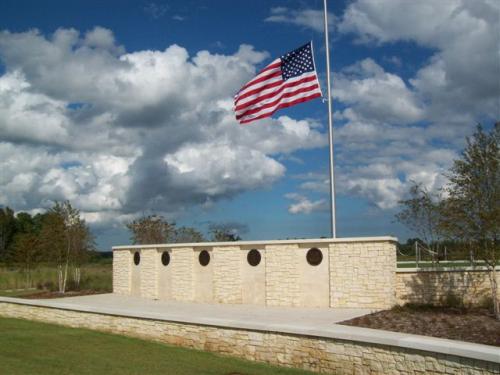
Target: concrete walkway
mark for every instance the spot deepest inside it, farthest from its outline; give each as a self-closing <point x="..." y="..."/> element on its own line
<point x="320" y="322"/>
<point x="210" y="314"/>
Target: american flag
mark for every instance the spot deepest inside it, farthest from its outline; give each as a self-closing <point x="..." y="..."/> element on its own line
<point x="288" y="80"/>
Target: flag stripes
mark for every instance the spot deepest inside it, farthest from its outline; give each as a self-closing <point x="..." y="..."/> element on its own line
<point x="284" y="104"/>
<point x="270" y="91"/>
<point x="275" y="100"/>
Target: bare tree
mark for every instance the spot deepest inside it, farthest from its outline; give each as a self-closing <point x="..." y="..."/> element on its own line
<point x="187" y="235"/>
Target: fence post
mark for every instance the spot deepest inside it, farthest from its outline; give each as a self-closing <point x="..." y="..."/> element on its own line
<point x="417" y="255"/>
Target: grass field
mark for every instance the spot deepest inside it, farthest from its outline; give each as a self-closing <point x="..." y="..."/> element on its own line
<point x="94" y="276"/>
<point x="37" y="348"/>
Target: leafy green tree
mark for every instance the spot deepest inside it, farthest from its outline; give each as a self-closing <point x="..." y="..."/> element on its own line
<point x="83" y="245"/>
<point x="53" y="243"/>
<point x="24" y="223"/>
<point x="471" y="211"/>
<point x="26" y="250"/>
<point x="7" y="230"/>
<point x="65" y="238"/>
<point x="27" y="253"/>
<point x="152" y="229"/>
<point x="224" y="233"/>
<point x="421" y="213"/>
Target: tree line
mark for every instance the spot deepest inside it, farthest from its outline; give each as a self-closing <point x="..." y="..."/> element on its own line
<point x="155" y="229"/>
<point x="62" y="239"/>
<point x="465" y="213"/>
<point x="59" y="237"/>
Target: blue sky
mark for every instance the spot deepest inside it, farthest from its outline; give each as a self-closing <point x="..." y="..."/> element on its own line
<point x="123" y="107"/>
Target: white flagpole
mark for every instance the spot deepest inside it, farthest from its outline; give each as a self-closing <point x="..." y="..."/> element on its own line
<point x="330" y="128"/>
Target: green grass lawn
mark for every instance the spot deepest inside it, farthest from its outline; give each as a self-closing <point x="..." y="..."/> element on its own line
<point x="16" y="293"/>
<point x="28" y="347"/>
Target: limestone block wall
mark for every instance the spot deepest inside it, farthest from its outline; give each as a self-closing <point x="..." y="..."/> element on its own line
<point x="316" y="278"/>
<point x="121" y="272"/>
<point x="282" y="276"/>
<point x="437" y="287"/>
<point x="149" y="273"/>
<point x="319" y="354"/>
<point x="353" y="272"/>
<point x="182" y="262"/>
<point x="227" y="275"/>
<point x="362" y="274"/>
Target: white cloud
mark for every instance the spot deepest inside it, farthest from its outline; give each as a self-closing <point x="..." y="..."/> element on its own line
<point x="122" y="133"/>
<point x="81" y="119"/>
<point x="302" y="204"/>
<point x="376" y="95"/>
<point x="26" y="115"/>
<point x="385" y="192"/>
<point x="102" y="38"/>
<point x="462" y="76"/>
<point x="380" y="161"/>
<point x="382" y="182"/>
<point x="393" y="131"/>
<point x="222" y="168"/>
<point x="428" y="22"/>
<point x="307" y="18"/>
<point x="33" y="177"/>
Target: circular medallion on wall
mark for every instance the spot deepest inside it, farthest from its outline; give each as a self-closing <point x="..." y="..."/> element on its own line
<point x="137" y="258"/>
<point x="254" y="257"/>
<point x="204" y="258"/>
<point x="314" y="256"/>
<point x="165" y="258"/>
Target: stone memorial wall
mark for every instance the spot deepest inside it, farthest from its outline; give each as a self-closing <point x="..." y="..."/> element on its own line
<point x="348" y="272"/>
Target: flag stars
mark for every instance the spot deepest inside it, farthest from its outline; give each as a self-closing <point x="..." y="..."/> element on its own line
<point x="297" y="62"/>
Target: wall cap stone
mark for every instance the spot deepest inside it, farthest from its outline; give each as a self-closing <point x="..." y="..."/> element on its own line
<point x="261" y="243"/>
<point x="334" y="331"/>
